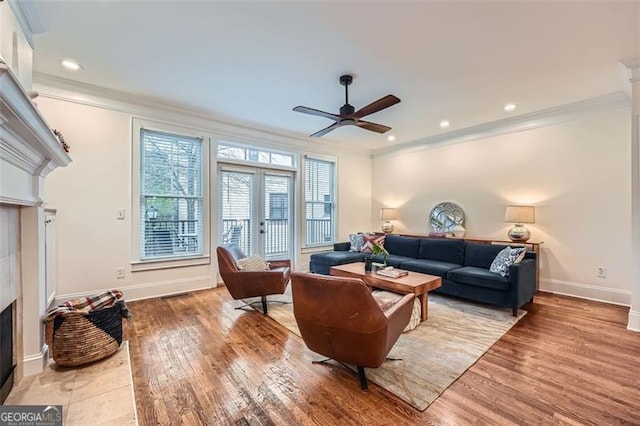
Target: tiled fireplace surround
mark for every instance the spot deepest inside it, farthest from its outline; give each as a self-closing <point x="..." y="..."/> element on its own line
<point x="29" y="151"/>
<point x="10" y="286"/>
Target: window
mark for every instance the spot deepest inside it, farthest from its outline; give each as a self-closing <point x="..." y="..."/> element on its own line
<point x="171" y="195"/>
<point x="319" y="201"/>
<point x="255" y="155"/>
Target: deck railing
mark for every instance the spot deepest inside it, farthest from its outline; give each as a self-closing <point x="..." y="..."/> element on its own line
<point x="171" y="237"/>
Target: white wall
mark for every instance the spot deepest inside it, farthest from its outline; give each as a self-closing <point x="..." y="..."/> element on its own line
<point x="577" y="174"/>
<point x="92" y="243"/>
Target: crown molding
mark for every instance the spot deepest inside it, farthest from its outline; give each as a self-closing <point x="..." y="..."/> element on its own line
<point x="53" y="87"/>
<point x="534" y="120"/>
<point x="223" y="127"/>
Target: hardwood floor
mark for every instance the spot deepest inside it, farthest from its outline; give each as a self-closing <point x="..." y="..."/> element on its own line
<point x="196" y="360"/>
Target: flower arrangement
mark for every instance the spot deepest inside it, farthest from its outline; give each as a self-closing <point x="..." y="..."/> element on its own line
<point x="379" y="250"/>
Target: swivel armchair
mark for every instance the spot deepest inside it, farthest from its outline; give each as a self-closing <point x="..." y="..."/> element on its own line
<point x="339" y="318"/>
<point x="243" y="284"/>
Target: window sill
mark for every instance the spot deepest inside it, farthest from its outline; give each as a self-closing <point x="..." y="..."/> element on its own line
<point x="152" y="265"/>
<point x="316" y="249"/>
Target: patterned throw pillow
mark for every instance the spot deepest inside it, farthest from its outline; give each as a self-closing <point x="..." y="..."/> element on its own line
<point x="357" y="241"/>
<point x="371" y="240"/>
<point x="386" y="299"/>
<point x="506" y="258"/>
<point x="252" y="263"/>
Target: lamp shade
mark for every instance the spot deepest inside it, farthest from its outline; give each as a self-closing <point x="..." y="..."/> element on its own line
<point x="388" y="214"/>
<point x="520" y="214"/>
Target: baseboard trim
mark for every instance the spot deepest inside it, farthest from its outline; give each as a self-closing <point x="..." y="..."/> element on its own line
<point x="586" y="291"/>
<point x="634" y="321"/>
<point x="35" y="363"/>
<point x="150" y="290"/>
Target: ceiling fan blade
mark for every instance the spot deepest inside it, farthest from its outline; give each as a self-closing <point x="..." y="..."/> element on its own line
<point x="374" y="127"/>
<point x="306" y="110"/>
<point x="325" y="130"/>
<point x="376" y="106"/>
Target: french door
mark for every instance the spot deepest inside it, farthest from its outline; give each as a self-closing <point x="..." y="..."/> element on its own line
<point x="256" y="210"/>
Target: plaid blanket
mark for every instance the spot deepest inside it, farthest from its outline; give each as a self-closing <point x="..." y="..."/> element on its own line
<point x="91" y="303"/>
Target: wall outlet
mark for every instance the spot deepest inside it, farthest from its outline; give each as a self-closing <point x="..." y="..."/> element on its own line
<point x="601" y="271"/>
<point x="120" y="214"/>
<point x="120" y="272"/>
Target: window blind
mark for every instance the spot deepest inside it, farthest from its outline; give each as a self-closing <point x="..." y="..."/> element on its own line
<point x="319" y="197"/>
<point x="171" y="195"/>
<point x="236" y="206"/>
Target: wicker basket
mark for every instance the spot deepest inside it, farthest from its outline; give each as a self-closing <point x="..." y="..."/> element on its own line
<point x="76" y="338"/>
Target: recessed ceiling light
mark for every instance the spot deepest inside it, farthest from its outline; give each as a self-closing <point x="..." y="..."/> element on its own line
<point x="71" y="65"/>
<point x="510" y="107"/>
<point x="444" y="124"/>
<point x="391" y="138"/>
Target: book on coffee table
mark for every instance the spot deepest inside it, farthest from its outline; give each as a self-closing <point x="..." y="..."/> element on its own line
<point x="392" y="273"/>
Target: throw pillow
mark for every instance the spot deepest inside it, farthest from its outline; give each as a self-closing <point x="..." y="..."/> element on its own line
<point x="371" y="240"/>
<point x="386" y="299"/>
<point x="507" y="257"/>
<point x="252" y="263"/>
<point x="357" y="241"/>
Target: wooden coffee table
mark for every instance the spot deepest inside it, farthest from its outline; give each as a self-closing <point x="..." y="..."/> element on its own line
<point x="416" y="283"/>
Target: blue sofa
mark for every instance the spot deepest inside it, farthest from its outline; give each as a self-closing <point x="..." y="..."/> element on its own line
<point x="463" y="267"/>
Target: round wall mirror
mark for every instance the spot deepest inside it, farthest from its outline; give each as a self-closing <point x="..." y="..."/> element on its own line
<point x="445" y="216"/>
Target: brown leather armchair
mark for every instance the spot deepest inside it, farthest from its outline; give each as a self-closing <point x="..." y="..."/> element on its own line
<point x="339" y="318"/>
<point x="243" y="284"/>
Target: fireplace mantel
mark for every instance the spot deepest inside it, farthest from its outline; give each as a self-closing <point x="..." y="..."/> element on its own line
<point x="29" y="150"/>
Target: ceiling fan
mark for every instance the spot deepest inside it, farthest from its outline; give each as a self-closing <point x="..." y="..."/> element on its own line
<point x="348" y="115"/>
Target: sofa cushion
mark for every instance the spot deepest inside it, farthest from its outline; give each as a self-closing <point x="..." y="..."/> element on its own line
<point x="392" y="259"/>
<point x="341" y="246"/>
<point x="481" y="255"/>
<point x="507" y="257"/>
<point x="402" y="246"/>
<point x="443" y="250"/>
<point x="479" y="277"/>
<point x="431" y="267"/>
<point x="336" y="257"/>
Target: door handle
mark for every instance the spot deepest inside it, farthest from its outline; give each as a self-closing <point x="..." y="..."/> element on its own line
<point x="262" y="231"/>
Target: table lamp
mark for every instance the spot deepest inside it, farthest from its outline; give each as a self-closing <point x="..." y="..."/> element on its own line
<point x="519" y="215"/>
<point x="387" y="215"/>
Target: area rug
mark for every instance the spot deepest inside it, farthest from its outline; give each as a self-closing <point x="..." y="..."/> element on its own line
<point x="434" y="354"/>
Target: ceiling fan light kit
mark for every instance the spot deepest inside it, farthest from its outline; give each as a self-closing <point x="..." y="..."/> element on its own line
<point x="348" y="115"/>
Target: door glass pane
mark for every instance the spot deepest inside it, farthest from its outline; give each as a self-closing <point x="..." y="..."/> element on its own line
<point x="277" y="212"/>
<point x="237" y="204"/>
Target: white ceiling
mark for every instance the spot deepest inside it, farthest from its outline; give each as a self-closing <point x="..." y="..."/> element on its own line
<point x="254" y="61"/>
